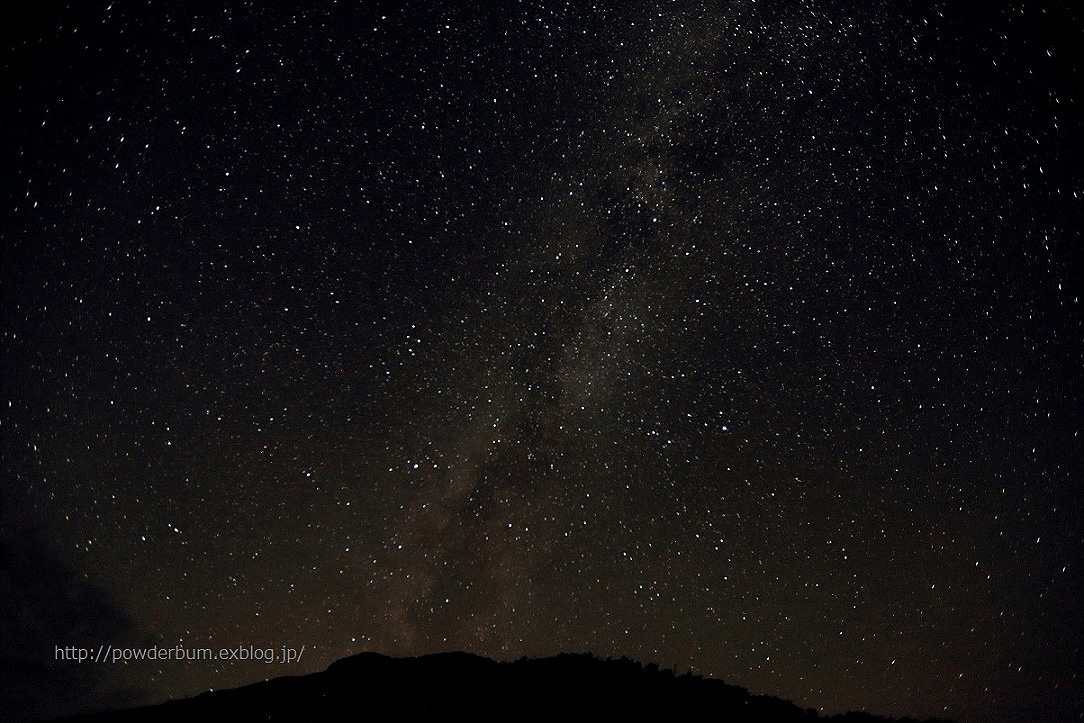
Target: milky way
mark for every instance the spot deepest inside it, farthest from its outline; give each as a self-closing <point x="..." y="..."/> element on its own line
<point x="738" y="337"/>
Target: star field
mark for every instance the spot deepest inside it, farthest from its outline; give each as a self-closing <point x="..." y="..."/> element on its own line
<point x="740" y="337"/>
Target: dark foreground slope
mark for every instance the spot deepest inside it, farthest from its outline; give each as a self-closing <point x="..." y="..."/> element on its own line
<point x="461" y="684"/>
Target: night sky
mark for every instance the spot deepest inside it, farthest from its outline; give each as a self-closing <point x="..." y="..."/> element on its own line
<point x="742" y="337"/>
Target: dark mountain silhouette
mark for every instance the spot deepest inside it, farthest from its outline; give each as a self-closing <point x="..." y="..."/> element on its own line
<point x="561" y="687"/>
